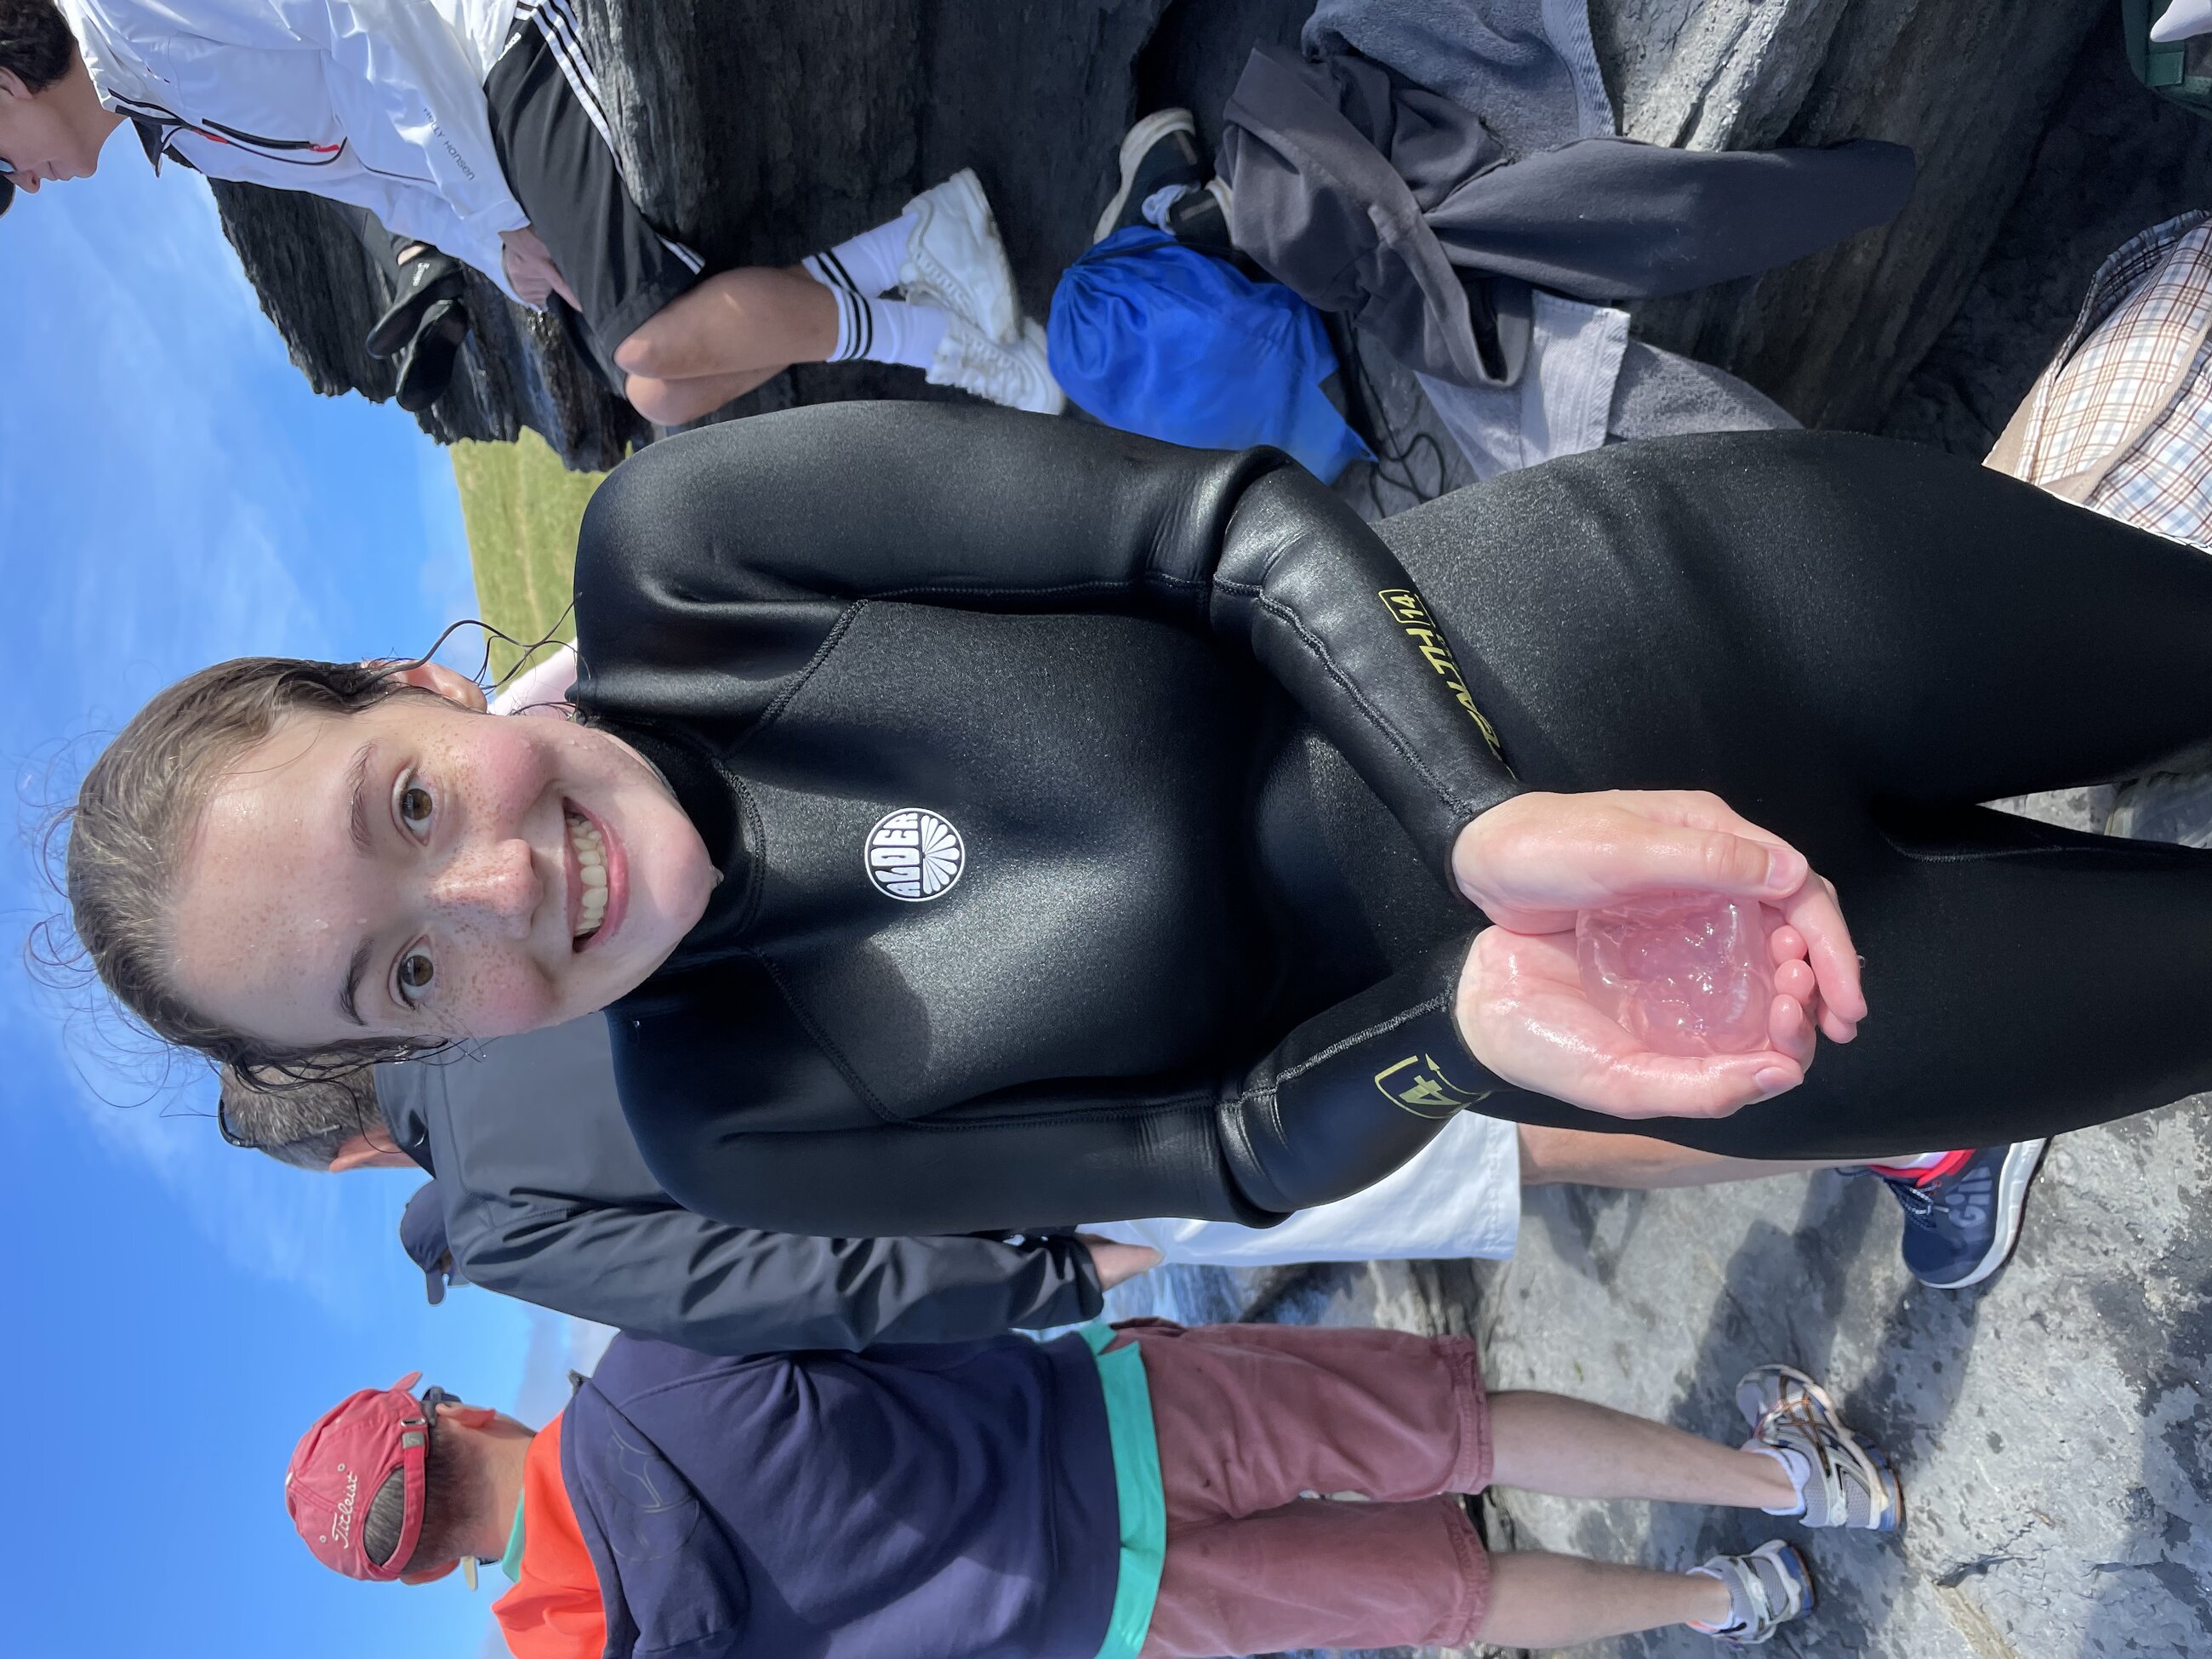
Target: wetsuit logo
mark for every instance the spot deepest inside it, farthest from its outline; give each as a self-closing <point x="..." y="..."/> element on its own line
<point x="914" y="855"/>
<point x="1410" y="613"/>
<point x="1419" y="1084"/>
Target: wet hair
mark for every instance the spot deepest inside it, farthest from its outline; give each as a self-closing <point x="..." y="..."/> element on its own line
<point x="305" y="1124"/>
<point x="35" y="42"/>
<point x="445" y="1492"/>
<point x="140" y="806"/>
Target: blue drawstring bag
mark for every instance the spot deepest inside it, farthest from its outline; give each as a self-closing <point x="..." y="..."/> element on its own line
<point x="1157" y="339"/>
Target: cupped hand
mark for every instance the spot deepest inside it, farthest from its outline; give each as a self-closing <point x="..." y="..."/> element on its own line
<point x="1523" y="1013"/>
<point x="1531" y="862"/>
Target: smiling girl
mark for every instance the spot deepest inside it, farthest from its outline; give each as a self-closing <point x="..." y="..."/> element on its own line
<point x="1003" y="822"/>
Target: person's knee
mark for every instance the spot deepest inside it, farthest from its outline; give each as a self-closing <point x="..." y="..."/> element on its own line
<point x="659" y="401"/>
<point x="649" y="350"/>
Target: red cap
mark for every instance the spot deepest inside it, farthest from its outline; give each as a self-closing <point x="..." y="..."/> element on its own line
<point x="342" y="1463"/>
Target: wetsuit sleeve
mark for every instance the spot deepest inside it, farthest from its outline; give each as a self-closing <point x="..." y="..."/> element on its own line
<point x="1343" y="1100"/>
<point x="727" y="1289"/>
<point x="720" y="537"/>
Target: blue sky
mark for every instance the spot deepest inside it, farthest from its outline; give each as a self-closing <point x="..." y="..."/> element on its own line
<point x="170" y="492"/>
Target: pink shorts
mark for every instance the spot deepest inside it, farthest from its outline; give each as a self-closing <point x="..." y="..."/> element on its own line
<point x="1264" y="1431"/>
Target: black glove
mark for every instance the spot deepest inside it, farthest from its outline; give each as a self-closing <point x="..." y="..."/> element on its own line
<point x="424" y="281"/>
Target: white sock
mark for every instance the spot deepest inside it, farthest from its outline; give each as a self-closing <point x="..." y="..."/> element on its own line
<point x="869" y="264"/>
<point x="1793" y="1465"/>
<point x="1739" y="1615"/>
<point x="885" y="330"/>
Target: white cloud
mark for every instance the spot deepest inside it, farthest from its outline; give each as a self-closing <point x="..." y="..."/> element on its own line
<point x="172" y="490"/>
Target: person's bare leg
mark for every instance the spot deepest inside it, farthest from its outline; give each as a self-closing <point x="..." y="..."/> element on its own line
<point x="1574" y="1449"/>
<point x="735" y="321"/>
<point x="1558" y="1600"/>
<point x="672" y="403"/>
<point x="1553" y="1158"/>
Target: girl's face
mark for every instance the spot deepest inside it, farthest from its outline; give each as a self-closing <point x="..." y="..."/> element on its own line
<point x="421" y="870"/>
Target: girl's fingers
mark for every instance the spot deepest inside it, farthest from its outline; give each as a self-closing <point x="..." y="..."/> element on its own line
<point x="1795" y="979"/>
<point x="1785" y="944"/>
<point x="1669" y="856"/>
<point x="1663" y="1086"/>
<point x="1817" y="916"/>
<point x="1789" y="1028"/>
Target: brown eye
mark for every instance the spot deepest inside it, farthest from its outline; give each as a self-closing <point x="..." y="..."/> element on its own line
<point x="415" y="807"/>
<point x="415" y="972"/>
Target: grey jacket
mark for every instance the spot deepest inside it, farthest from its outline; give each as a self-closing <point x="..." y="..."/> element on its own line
<point x="1425" y="165"/>
<point x="546" y="1199"/>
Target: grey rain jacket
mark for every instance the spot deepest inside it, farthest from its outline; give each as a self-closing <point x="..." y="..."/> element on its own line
<point x="1424" y="165"/>
<point x="548" y="1200"/>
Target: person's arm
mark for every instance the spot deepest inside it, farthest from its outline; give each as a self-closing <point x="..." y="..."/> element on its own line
<point x="1346" y="1099"/>
<point x="396" y="68"/>
<point x="728" y="1289"/>
<point x="708" y="534"/>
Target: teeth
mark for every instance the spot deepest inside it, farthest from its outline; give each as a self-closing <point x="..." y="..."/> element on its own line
<point x="591" y="861"/>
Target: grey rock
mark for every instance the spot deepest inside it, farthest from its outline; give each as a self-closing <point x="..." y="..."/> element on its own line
<point x="1970" y="87"/>
<point x="2115" y="160"/>
<point x="757" y="132"/>
<point x="2049" y="1426"/>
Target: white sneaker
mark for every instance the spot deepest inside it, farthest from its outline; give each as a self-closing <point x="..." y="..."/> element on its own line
<point x="954" y="258"/>
<point x="1016" y="375"/>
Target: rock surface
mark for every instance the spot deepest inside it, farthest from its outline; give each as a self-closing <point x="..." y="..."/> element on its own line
<point x="760" y="131"/>
<point x="1969" y="88"/>
<point x="2049" y="1425"/>
<point x="757" y="132"/>
<point x="2115" y="160"/>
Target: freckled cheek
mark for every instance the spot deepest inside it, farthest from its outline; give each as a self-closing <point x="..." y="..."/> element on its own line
<point x="499" y="995"/>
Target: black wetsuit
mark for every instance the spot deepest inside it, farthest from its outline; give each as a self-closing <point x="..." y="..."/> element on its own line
<point x="1190" y="965"/>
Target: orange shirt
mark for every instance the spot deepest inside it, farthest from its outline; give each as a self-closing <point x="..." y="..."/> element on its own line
<point x="553" y="1611"/>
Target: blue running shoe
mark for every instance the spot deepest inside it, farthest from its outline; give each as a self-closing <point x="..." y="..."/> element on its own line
<point x="1960" y="1228"/>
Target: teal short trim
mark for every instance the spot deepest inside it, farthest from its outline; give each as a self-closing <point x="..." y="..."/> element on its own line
<point x="1137" y="1485"/>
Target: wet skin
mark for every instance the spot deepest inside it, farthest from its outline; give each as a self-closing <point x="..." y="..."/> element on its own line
<point x="411" y="870"/>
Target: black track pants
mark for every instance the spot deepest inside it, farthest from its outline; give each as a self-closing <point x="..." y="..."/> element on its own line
<point x="1853" y="642"/>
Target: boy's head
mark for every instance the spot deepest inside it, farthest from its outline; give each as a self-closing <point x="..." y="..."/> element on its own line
<point x="389" y="1487"/>
<point x="51" y="122"/>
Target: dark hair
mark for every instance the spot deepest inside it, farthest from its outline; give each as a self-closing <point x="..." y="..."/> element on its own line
<point x="303" y="1124"/>
<point x="445" y="1483"/>
<point x="138" y="809"/>
<point x="35" y="42"/>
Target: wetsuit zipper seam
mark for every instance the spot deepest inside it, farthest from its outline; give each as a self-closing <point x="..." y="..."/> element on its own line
<point x="821" y="1039"/>
<point x="1313" y="643"/>
<point x="782" y="700"/>
<point x="1144" y="1109"/>
<point x="993" y="591"/>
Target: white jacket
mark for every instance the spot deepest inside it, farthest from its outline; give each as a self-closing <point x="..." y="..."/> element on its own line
<point x="379" y="103"/>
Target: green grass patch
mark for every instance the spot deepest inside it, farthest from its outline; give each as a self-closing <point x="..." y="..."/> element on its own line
<point x="522" y="508"/>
